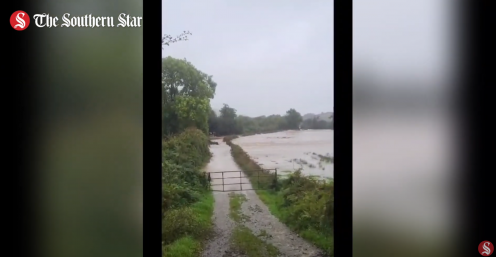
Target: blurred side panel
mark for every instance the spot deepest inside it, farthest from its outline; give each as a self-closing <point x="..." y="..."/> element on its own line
<point x="406" y="162"/>
<point x="91" y="132"/>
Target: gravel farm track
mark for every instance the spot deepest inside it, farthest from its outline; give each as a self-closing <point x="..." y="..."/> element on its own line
<point x="260" y="219"/>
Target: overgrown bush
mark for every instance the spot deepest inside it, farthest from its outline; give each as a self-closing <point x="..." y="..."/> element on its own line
<point x="309" y="202"/>
<point x="183" y="184"/>
<point x="182" y="222"/>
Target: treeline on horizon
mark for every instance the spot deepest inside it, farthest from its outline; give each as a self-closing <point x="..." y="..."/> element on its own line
<point x="229" y="123"/>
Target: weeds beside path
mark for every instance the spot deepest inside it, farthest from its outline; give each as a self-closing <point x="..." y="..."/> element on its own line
<point x="191" y="245"/>
<point x="243" y="241"/>
<point x="188" y="203"/>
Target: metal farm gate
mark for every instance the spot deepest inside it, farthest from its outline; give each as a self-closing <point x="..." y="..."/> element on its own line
<point x="228" y="181"/>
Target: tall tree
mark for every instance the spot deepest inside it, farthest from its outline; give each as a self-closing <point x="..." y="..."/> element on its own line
<point x="213" y="122"/>
<point x="293" y="119"/>
<point x="186" y="94"/>
<point x="228" y="123"/>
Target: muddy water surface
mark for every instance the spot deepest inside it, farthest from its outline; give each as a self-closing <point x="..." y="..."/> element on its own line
<point x="290" y="150"/>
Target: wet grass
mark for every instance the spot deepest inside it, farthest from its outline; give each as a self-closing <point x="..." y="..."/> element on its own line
<point x="204" y="209"/>
<point x="243" y="240"/>
<point x="186" y="246"/>
<point x="191" y="245"/>
<point x="250" y="245"/>
<point x="235" y="202"/>
<point x="274" y="201"/>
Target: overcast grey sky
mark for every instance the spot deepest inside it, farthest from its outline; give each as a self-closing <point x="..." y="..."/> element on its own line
<point x="266" y="56"/>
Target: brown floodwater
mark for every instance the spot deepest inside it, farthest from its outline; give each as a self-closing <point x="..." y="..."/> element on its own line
<point x="310" y="150"/>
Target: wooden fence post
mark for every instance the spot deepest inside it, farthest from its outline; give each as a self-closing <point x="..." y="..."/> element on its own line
<point x="275" y="181"/>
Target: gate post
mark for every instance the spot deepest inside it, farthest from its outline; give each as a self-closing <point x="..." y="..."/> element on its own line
<point x="258" y="179"/>
<point x="222" y="181"/>
<point x="240" y="184"/>
<point x="275" y="181"/>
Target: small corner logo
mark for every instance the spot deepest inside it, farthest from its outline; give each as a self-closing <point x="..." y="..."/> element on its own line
<point x="486" y="248"/>
<point x="19" y="20"/>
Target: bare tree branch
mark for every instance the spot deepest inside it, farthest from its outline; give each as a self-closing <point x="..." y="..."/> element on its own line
<point x="168" y="39"/>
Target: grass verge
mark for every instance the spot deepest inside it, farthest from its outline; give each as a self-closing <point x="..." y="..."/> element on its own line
<point x="190" y="245"/>
<point x="235" y="202"/>
<point x="275" y="201"/>
<point x="185" y="246"/>
<point x="304" y="204"/>
<point x="243" y="240"/>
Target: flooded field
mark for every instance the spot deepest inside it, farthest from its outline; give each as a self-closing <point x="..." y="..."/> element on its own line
<point x="310" y="150"/>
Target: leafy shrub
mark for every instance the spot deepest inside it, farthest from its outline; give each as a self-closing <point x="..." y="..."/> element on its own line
<point x="183" y="157"/>
<point x="183" y="184"/>
<point x="178" y="223"/>
<point x="310" y="203"/>
<point x="184" y="247"/>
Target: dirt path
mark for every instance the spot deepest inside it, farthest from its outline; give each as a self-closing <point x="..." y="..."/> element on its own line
<point x="260" y="220"/>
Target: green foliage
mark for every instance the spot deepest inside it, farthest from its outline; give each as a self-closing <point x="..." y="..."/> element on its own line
<point x="192" y="111"/>
<point x="316" y="123"/>
<point x="293" y="119"/>
<point x="235" y="202"/>
<point x="186" y="94"/>
<point x="262" y="124"/>
<point x="247" y="244"/>
<point x="310" y="204"/>
<point x="184" y="247"/>
<point x="229" y="123"/>
<point x="213" y="122"/>
<point x="178" y="223"/>
<point x="226" y="123"/>
<point x="187" y="204"/>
